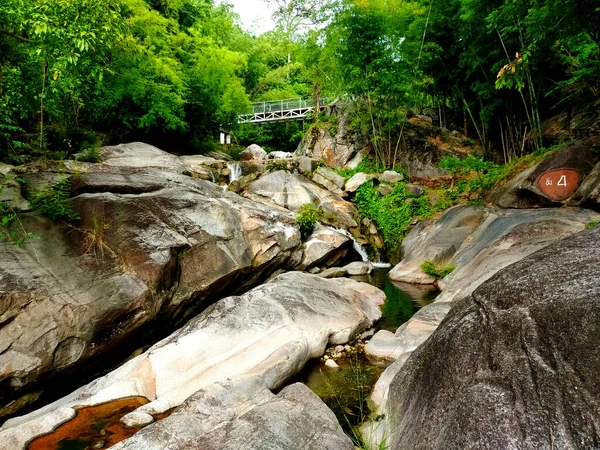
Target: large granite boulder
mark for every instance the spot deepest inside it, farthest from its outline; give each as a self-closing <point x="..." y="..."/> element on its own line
<point x="324" y="247"/>
<point x="479" y="240"/>
<point x="292" y="191"/>
<point x="513" y="365"/>
<point x="153" y="247"/>
<point x="566" y="176"/>
<point x="226" y="418"/>
<point x="253" y="152"/>
<point x="258" y="340"/>
<point x="488" y="240"/>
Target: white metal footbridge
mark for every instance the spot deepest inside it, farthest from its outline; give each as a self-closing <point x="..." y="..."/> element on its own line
<point x="280" y="110"/>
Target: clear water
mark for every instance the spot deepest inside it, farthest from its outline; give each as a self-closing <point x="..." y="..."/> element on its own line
<point x="346" y="389"/>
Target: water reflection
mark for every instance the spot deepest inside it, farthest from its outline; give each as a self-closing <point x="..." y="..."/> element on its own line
<point x="403" y="299"/>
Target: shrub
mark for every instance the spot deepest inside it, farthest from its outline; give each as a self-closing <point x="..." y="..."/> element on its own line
<point x="52" y="202"/>
<point x="592" y="224"/>
<point x="307" y="218"/>
<point x="276" y="165"/>
<point x="91" y="155"/>
<point x="392" y="213"/>
<point x="432" y="270"/>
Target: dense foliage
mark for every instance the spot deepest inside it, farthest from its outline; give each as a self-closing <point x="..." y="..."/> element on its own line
<point x="76" y="73"/>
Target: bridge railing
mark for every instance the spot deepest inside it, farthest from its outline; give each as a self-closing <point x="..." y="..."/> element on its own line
<point x="283" y="105"/>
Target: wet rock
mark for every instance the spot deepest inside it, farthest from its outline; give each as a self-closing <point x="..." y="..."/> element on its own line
<point x="265" y="337"/>
<point x="137" y="420"/>
<point x="331" y="364"/>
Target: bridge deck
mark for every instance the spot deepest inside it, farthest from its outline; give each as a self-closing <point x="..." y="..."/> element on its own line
<point x="279" y="111"/>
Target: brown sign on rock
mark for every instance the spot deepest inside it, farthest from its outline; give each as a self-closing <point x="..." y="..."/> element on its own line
<point x="558" y="184"/>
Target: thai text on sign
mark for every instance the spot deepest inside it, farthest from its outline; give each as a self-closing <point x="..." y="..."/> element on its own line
<point x="558" y="184"/>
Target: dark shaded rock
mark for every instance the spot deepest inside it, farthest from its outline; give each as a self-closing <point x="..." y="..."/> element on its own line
<point x="515" y="364"/>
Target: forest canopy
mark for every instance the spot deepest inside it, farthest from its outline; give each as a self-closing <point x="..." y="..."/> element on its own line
<point x="80" y="73"/>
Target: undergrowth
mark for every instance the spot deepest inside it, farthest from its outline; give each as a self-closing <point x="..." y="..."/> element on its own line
<point x="472" y="179"/>
<point x="53" y="202"/>
<point x="392" y="213"/>
<point x="307" y="218"/>
<point x="431" y="269"/>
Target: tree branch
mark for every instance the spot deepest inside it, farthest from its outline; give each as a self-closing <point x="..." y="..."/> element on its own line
<point x="16" y="36"/>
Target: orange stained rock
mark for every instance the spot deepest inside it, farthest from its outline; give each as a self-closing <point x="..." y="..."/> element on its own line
<point x="91" y="426"/>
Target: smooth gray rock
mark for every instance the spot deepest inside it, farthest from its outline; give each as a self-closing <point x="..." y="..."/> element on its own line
<point x="292" y="191"/>
<point x="253" y="152"/>
<point x="359" y="268"/>
<point x="150" y="242"/>
<point x="256" y="341"/>
<point x="357" y="181"/>
<point x="494" y="240"/>
<point x="514" y="365"/>
<point x="391" y="176"/>
<point x="324" y="247"/>
<point x="226" y="418"/>
<point x="330" y="175"/>
<point x="415" y="190"/>
<point x="480" y="240"/>
<point x="334" y="272"/>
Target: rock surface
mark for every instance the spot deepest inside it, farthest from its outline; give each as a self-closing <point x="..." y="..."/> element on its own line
<point x="337" y="146"/>
<point x="324" y="247"/>
<point x="151" y="242"/>
<point x="357" y="181"/>
<point x="480" y="240"/>
<point x="514" y="365"/>
<point x="391" y="176"/>
<point x="359" y="268"/>
<point x="257" y="340"/>
<point x="566" y="176"/>
<point x="253" y="152"/>
<point x="233" y="417"/>
<point x="292" y="191"/>
<point x="488" y="240"/>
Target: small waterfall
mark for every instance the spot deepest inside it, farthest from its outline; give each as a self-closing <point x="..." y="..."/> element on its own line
<point x="235" y="171"/>
<point x="357" y="247"/>
<point x="360" y="249"/>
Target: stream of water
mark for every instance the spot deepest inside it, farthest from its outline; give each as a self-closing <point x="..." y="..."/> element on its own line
<point x="346" y="389"/>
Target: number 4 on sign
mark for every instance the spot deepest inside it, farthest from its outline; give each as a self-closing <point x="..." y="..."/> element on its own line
<point x="562" y="181"/>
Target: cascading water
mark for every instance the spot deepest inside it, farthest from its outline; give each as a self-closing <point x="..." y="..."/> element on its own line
<point x="235" y="171"/>
<point x="359" y="248"/>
